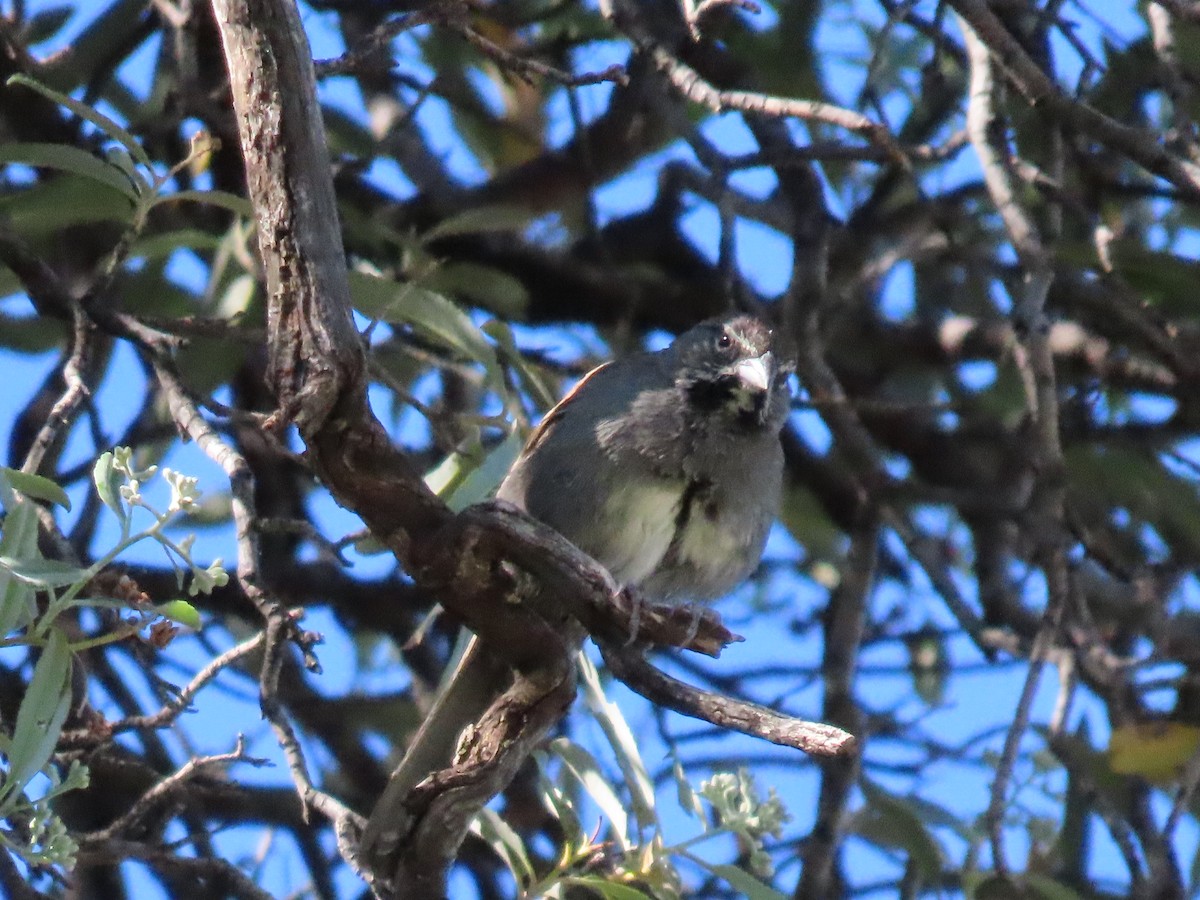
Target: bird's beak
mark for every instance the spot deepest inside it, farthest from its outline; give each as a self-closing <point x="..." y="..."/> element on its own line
<point x="756" y="374"/>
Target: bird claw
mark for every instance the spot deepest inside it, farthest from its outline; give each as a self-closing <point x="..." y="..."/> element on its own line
<point x="635" y="616"/>
<point x="697" y="613"/>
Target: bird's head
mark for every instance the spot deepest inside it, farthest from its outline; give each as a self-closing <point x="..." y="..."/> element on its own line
<point x="731" y="367"/>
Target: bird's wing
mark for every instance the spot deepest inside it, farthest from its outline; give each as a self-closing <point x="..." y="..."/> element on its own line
<point x="556" y="412"/>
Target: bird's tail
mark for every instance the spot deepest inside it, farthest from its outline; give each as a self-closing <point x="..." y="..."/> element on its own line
<point x="462" y="699"/>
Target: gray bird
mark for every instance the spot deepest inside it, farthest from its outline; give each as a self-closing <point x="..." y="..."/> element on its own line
<point x="666" y="468"/>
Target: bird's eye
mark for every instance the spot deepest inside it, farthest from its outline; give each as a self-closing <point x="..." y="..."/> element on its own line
<point x="724" y="340"/>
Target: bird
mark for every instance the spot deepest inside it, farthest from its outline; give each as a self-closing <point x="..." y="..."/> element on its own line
<point x="665" y="467"/>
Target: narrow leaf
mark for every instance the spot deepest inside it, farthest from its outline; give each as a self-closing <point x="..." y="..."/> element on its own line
<point x="38" y="487"/>
<point x="42" y="572"/>
<point x="689" y="800"/>
<point x="741" y="881"/>
<point x="890" y="821"/>
<point x="108" y="484"/>
<point x="40" y="717"/>
<point x="542" y="388"/>
<point x="485" y="286"/>
<point x="232" y="202"/>
<point x="505" y="843"/>
<point x="69" y="159"/>
<point x="558" y="803"/>
<point x="460" y="483"/>
<point x="41" y="26"/>
<point x="158" y="246"/>
<point x="101" y="121"/>
<point x="609" y="890"/>
<point x="1044" y="888"/>
<point x="582" y="766"/>
<point x="425" y="310"/>
<point x="18" y="538"/>
<point x="481" y="220"/>
<point x="611" y="720"/>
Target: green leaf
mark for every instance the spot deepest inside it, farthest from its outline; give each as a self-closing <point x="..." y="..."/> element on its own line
<point x="180" y="611"/>
<point x="116" y="156"/>
<point x="425" y="310"/>
<point x="232" y="202"/>
<point x="370" y="546"/>
<point x="461" y="482"/>
<point x="891" y="821"/>
<point x="108" y="483"/>
<point x="481" y="285"/>
<point x="1048" y="889"/>
<point x="113" y="24"/>
<point x="70" y="159"/>
<point x="161" y="246"/>
<point x="9" y="284"/>
<point x="101" y="121"/>
<point x="481" y="220"/>
<point x="147" y="290"/>
<point x="616" y="730"/>
<point x="996" y="887"/>
<point x="429" y="313"/>
<point x="561" y="806"/>
<point x="582" y="766"/>
<point x="609" y="890"/>
<point x="28" y="334"/>
<point x="804" y="515"/>
<point x="213" y="509"/>
<point x="42" y="572"/>
<point x="542" y="388"/>
<point x="46" y="208"/>
<point x="689" y="800"/>
<point x="238" y="296"/>
<point x="40" y="718"/>
<point x="505" y="843"/>
<point x="37" y="486"/>
<point x="741" y="881"/>
<point x="346" y="135"/>
<point x="18" y="539"/>
<point x="1101" y="478"/>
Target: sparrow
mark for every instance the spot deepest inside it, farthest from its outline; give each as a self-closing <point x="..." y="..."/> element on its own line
<point x="665" y="467"/>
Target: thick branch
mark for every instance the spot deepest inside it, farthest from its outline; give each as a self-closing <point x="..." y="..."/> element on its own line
<point x="315" y="352"/>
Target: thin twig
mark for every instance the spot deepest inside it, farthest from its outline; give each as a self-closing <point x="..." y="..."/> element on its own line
<point x="183" y="700"/>
<point x="222" y="877"/>
<point x="528" y="69"/>
<point x="1036" y="365"/>
<point x="74" y="397"/>
<point x="691" y="85"/>
<point x="688" y="82"/>
<point x="281" y="628"/>
<point x="695" y="13"/>
<point x="845" y="621"/>
<point x="1183" y="796"/>
<point x="1139" y="145"/>
<point x="169" y="786"/>
<point x="373" y="48"/>
<point x="1176" y="82"/>
<point x="817" y="738"/>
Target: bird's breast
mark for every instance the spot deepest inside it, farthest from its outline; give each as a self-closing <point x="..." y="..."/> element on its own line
<point x="643" y="514"/>
<point x="676" y="539"/>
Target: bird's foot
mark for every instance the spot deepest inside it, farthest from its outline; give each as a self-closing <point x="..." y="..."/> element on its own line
<point x="635" y="615"/>
<point x="697" y="612"/>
